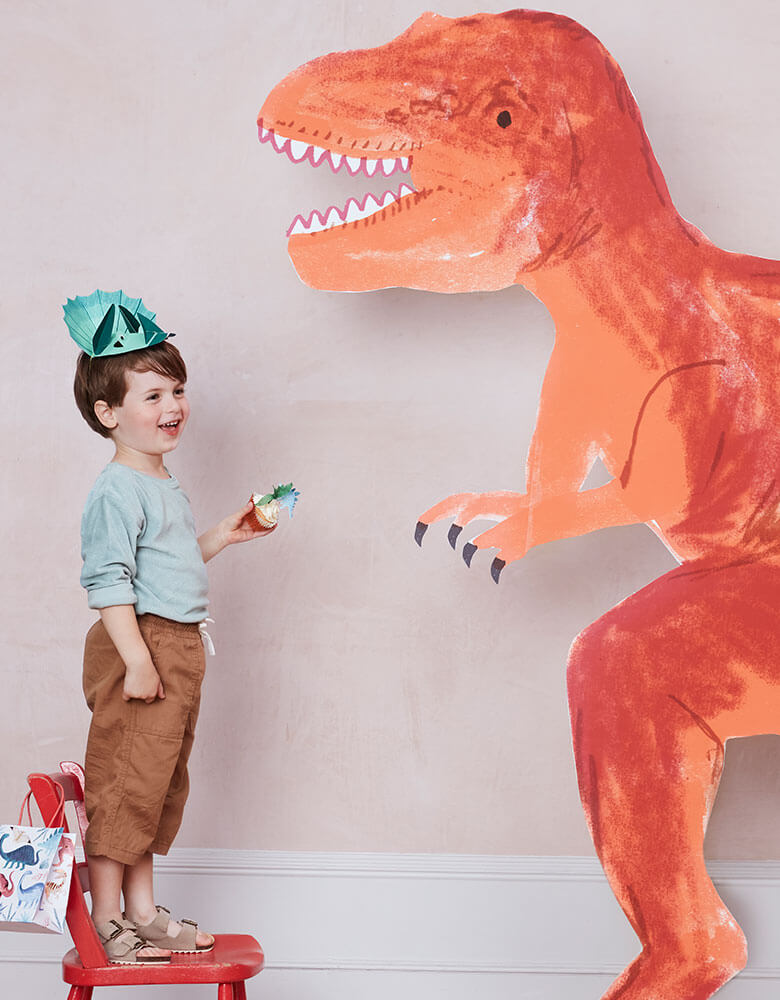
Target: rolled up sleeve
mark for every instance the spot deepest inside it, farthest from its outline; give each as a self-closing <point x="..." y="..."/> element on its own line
<point x="110" y="529"/>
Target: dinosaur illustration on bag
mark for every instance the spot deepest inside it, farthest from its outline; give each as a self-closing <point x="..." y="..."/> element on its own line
<point x="528" y="163"/>
<point x="21" y="856"/>
<point x="34" y="890"/>
<point x="7" y="887"/>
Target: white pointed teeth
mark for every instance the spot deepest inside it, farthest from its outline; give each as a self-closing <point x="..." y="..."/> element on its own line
<point x="298" y="150"/>
<point x="372" y="166"/>
<point x="353" y="211"/>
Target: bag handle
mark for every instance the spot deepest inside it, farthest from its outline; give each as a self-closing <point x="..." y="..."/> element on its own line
<point x="58" y="819"/>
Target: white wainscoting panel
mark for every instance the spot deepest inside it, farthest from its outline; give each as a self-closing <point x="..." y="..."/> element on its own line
<point x="424" y="926"/>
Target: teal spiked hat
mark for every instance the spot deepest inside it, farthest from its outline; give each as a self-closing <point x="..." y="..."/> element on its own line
<point x="106" y="323"/>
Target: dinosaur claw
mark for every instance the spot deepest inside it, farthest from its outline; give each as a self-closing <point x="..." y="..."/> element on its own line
<point x="452" y="534"/>
<point x="468" y="553"/>
<point x="495" y="569"/>
<point x="419" y="532"/>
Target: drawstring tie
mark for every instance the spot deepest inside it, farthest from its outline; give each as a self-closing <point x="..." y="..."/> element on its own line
<point x="205" y="637"/>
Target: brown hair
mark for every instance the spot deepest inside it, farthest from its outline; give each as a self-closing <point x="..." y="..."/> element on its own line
<point x="104" y="378"/>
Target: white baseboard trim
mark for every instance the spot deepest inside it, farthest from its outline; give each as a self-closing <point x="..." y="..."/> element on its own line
<point x="413" y="914"/>
<point x="187" y="861"/>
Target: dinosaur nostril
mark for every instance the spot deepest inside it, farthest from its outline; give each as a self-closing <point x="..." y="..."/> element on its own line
<point x="504" y="119"/>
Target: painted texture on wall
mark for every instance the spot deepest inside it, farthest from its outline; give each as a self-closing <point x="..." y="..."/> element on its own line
<point x="529" y="164"/>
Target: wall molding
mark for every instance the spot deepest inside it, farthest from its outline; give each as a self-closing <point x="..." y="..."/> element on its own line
<point x="186" y="861"/>
<point x="461" y="915"/>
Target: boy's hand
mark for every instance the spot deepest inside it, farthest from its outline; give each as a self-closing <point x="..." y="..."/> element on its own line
<point x="230" y="530"/>
<point x="236" y="528"/>
<point x="141" y="678"/>
<point x="143" y="682"/>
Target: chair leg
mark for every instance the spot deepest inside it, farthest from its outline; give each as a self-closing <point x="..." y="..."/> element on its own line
<point x="239" y="990"/>
<point x="80" y="993"/>
<point x="225" y="992"/>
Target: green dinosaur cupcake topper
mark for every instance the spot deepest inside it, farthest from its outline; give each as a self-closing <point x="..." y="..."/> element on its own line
<point x="286" y="494"/>
<point x="106" y="323"/>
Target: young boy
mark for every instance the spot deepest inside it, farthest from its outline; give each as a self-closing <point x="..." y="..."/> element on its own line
<point x="144" y="570"/>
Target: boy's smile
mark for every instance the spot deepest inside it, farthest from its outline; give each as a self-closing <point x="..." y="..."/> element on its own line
<point x="149" y="421"/>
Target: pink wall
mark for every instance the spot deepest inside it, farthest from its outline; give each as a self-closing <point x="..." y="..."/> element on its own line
<point x="365" y="696"/>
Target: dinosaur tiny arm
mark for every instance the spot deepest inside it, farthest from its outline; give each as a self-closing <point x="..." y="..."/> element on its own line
<point x="658" y="435"/>
<point x="575" y="514"/>
<point x="660" y="438"/>
<point x="665" y="446"/>
<point x="569" y="434"/>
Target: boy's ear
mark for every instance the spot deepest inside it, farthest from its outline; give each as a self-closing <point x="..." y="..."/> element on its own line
<point x="105" y="414"/>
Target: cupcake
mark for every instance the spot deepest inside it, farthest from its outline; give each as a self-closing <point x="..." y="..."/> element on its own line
<point x="268" y="505"/>
<point x="266" y="512"/>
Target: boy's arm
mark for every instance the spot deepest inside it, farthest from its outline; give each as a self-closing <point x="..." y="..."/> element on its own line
<point x="110" y="528"/>
<point x="228" y="532"/>
<point x="141" y="677"/>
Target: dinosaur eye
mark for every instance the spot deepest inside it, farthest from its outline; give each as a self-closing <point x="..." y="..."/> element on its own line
<point x="504" y="119"/>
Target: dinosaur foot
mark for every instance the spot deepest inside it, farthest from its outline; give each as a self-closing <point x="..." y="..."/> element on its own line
<point x="695" y="971"/>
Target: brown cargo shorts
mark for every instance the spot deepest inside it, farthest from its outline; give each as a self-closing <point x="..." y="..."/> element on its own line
<point x="136" y="759"/>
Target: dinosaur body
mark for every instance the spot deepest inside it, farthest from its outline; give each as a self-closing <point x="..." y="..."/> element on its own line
<point x="529" y="164"/>
<point x="18" y="857"/>
<point x="34" y="890"/>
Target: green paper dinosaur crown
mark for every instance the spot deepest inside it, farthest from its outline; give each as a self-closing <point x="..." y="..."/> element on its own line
<point x="106" y="323"/>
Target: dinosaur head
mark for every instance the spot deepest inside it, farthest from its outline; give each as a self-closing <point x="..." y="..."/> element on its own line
<point x="519" y="134"/>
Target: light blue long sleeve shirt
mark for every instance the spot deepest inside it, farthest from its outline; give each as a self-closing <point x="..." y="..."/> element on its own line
<point x="139" y="546"/>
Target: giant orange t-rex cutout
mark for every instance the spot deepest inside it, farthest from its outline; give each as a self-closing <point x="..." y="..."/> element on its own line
<point x="529" y="164"/>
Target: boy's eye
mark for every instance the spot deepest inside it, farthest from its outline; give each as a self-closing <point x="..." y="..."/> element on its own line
<point x="179" y="391"/>
<point x="151" y="397"/>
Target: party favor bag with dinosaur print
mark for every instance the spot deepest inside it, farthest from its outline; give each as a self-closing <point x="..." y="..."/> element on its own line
<point x="36" y="865"/>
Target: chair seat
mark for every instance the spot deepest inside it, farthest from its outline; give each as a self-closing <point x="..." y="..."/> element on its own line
<point x="234" y="958"/>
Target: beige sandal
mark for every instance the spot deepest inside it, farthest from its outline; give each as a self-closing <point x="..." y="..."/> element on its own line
<point x="156" y="933"/>
<point x="121" y="944"/>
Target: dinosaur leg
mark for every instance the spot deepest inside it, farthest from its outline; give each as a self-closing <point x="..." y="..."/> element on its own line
<point x="655" y="688"/>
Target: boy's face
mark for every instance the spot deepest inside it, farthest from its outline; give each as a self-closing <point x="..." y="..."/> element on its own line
<point x="152" y="415"/>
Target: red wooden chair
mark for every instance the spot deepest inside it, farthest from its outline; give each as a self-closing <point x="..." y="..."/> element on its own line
<point x="234" y="958"/>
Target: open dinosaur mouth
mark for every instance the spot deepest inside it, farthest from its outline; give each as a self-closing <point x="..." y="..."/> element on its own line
<point x="354" y="210"/>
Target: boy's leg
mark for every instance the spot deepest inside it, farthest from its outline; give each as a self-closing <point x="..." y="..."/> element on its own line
<point x="138" y="889"/>
<point x="132" y="753"/>
<point x="106" y="878"/>
<point x="105" y="884"/>
<point x="133" y="748"/>
<point x="179" y="657"/>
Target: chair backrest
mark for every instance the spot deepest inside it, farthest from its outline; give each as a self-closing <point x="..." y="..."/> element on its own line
<point x="82" y="930"/>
